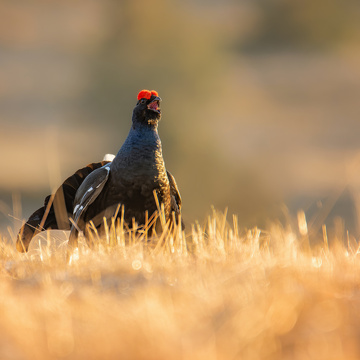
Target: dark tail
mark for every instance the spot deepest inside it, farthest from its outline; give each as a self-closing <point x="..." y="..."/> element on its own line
<point x="33" y="226"/>
<point x="56" y="210"/>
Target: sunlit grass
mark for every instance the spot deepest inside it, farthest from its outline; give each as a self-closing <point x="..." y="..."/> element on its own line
<point x="213" y="292"/>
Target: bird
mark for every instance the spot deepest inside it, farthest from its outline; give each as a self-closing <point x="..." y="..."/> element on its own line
<point x="135" y="179"/>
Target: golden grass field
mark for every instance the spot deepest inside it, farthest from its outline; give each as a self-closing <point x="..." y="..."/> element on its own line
<point x="213" y="292"/>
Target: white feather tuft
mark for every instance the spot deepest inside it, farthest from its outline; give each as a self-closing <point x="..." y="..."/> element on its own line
<point x="108" y="157"/>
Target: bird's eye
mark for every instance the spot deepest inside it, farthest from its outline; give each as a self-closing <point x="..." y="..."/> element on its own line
<point x="142" y="101"/>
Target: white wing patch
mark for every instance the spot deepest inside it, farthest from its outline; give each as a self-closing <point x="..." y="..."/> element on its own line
<point x="95" y="184"/>
<point x="88" y="191"/>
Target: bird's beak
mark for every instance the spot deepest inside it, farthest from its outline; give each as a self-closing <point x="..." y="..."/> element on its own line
<point x="155" y="104"/>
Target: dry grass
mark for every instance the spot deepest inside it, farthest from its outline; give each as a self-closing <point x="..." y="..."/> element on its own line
<point x="215" y="293"/>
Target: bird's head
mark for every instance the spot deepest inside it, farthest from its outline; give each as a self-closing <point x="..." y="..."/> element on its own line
<point x="147" y="109"/>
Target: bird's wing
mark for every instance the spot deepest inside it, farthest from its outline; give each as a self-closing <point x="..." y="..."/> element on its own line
<point x="72" y="184"/>
<point x="56" y="214"/>
<point x="86" y="195"/>
<point x="174" y="191"/>
<point x="175" y="198"/>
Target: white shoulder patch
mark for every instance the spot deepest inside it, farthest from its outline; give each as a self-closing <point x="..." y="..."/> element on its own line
<point x="108" y="157"/>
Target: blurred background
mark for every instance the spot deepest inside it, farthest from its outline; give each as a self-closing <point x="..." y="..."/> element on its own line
<point x="261" y="100"/>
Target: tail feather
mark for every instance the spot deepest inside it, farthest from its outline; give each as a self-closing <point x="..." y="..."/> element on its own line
<point x="33" y="227"/>
<point x="59" y="210"/>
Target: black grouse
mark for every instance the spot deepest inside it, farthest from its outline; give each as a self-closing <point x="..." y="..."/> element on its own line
<point x="130" y="180"/>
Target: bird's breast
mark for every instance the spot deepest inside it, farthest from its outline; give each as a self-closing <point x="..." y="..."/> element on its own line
<point x="136" y="172"/>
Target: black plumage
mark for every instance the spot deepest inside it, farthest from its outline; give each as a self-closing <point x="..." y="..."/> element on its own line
<point x="137" y="171"/>
<point x="59" y="208"/>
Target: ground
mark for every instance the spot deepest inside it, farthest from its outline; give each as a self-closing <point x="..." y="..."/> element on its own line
<point x="213" y="292"/>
